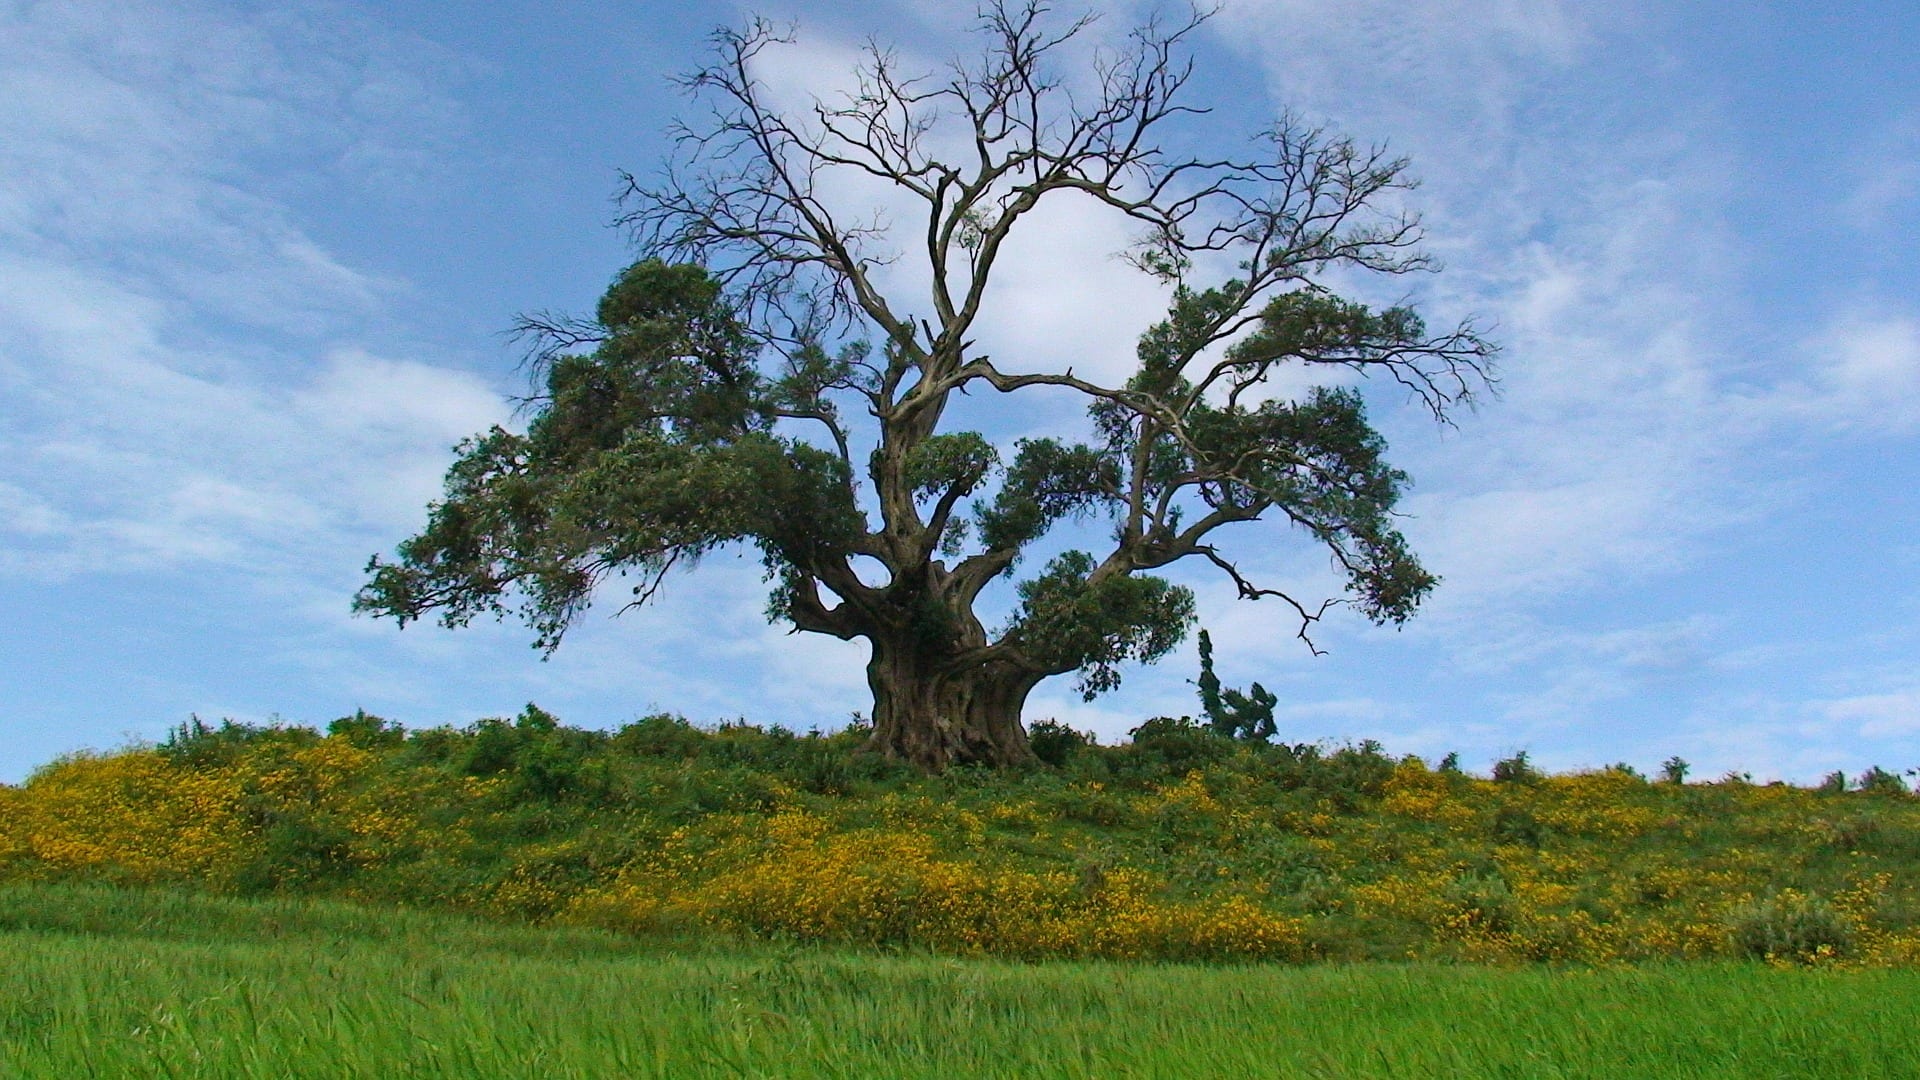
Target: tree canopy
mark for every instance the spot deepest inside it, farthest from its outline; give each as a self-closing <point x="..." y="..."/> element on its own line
<point x="748" y="380"/>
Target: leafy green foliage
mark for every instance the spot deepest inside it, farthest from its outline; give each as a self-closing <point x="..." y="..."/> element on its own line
<point x="1316" y="327"/>
<point x="1072" y="620"/>
<point x="1515" y="770"/>
<point x="1316" y="461"/>
<point x="197" y="743"/>
<point x="1877" y="779"/>
<point x="1172" y="745"/>
<point x="1323" y="465"/>
<point x="949" y="463"/>
<point x="1047" y="481"/>
<point x="651" y="451"/>
<point x="367" y="731"/>
<point x="1055" y="743"/>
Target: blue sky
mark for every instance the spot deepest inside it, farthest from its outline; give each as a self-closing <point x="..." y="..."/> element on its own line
<point x="255" y="262"/>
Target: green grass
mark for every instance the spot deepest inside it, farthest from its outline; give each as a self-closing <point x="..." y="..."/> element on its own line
<point x="97" y="982"/>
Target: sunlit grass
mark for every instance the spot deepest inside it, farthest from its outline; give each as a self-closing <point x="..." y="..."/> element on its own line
<point x="96" y="982"/>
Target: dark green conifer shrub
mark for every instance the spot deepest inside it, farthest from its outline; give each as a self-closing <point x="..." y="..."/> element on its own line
<point x="1230" y="713"/>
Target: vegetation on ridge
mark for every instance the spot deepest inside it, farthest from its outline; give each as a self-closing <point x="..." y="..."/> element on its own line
<point x="1179" y="844"/>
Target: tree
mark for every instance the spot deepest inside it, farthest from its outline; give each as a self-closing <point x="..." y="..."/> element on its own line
<point x="707" y="401"/>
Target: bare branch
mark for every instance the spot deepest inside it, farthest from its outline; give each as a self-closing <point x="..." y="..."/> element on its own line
<point x="1249" y="591"/>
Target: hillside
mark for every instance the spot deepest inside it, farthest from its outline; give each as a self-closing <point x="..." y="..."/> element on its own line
<point x="1178" y="845"/>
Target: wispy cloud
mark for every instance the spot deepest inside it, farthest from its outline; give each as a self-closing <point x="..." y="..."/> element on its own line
<point x="1886" y="177"/>
<point x="1865" y="375"/>
<point x="1878" y="716"/>
<point x="175" y="389"/>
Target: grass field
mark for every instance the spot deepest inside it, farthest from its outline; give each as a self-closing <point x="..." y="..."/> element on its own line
<point x="102" y="982"/>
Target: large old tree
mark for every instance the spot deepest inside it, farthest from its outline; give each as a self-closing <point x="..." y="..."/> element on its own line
<point x="760" y="376"/>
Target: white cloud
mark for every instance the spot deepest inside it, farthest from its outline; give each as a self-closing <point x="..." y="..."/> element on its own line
<point x="1866" y="375"/>
<point x="154" y="297"/>
<point x="1877" y="716"/>
<point x="1108" y="719"/>
<point x="62" y="317"/>
<point x="128" y="452"/>
<point x="1448" y="82"/>
<point x="1589" y="240"/>
<point x="26" y="514"/>
<point x="363" y="394"/>
<point x="1427" y="35"/>
<point x="134" y="142"/>
<point x="1886" y="176"/>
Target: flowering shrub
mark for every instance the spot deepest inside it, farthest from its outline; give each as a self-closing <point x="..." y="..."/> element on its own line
<point x="791" y="875"/>
<point x="131" y="817"/>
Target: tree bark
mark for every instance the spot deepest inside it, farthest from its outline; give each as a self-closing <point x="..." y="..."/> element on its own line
<point x="935" y="709"/>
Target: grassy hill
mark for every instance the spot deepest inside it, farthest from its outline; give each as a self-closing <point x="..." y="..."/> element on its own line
<point x="1180" y="845"/>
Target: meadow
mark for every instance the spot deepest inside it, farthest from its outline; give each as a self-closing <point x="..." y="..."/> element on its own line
<point x="111" y="982"/>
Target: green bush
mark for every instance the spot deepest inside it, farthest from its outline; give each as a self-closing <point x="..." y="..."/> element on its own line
<point x="1054" y="742"/>
<point x="1170" y="746"/>
<point x="1881" y="782"/>
<point x="1484" y="899"/>
<point x="1515" y="770"/>
<point x="197" y="744"/>
<point x="1790" y="925"/>
<point x="1516" y="825"/>
<point x="368" y="732"/>
<point x="661" y="735"/>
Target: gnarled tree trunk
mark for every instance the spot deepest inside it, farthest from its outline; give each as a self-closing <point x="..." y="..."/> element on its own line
<point x="935" y="709"/>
